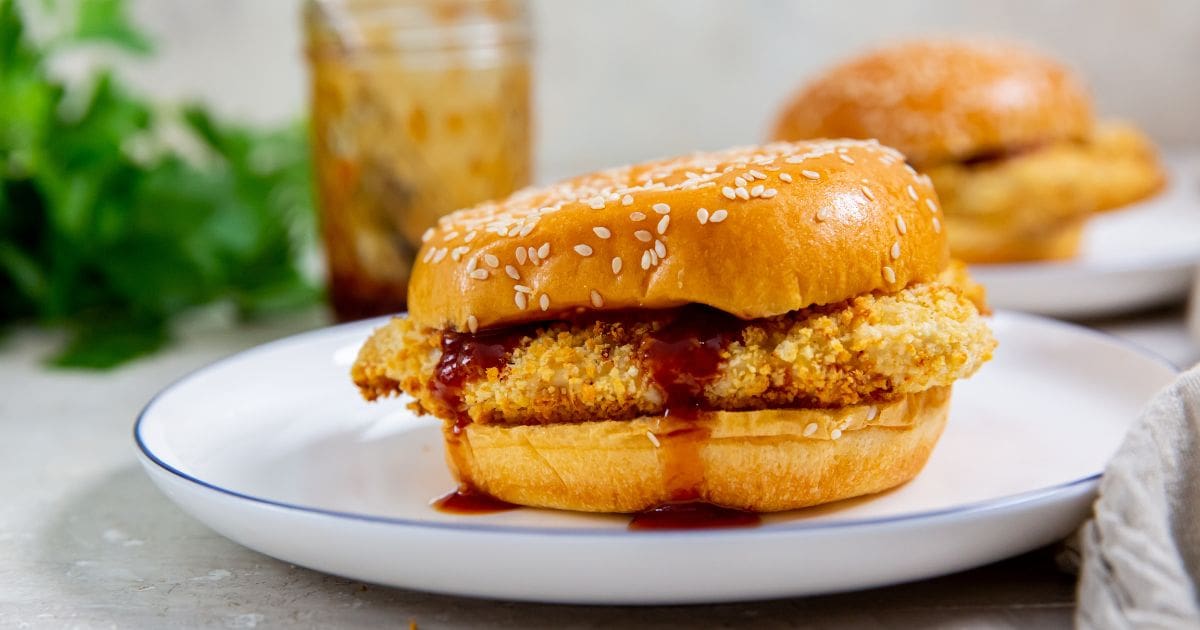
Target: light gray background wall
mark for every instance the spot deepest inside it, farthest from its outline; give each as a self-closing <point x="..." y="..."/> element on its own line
<point x="619" y="80"/>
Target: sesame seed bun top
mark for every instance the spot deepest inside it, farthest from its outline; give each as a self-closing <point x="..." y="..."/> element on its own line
<point x="943" y="100"/>
<point x="754" y="231"/>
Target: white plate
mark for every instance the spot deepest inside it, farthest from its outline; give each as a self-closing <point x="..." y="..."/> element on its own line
<point x="1140" y="256"/>
<point x="276" y="450"/>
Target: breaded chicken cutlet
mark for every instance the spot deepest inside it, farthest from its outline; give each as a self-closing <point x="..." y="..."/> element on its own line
<point x="871" y="348"/>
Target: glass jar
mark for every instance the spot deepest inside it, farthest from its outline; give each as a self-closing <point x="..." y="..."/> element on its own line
<point x="419" y="107"/>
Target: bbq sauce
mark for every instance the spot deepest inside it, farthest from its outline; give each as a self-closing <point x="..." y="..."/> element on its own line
<point x="467" y="356"/>
<point x="468" y="501"/>
<point x="684" y="355"/>
<point x="681" y="358"/>
<point x="693" y="515"/>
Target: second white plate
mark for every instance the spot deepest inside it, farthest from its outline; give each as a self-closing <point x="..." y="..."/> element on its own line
<point x="275" y="449"/>
<point x="1132" y="258"/>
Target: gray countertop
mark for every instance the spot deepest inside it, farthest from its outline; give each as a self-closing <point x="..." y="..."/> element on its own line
<point x="87" y="541"/>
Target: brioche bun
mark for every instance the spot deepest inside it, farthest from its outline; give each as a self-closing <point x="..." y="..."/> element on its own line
<point x="814" y="222"/>
<point x="761" y="461"/>
<point x="943" y="100"/>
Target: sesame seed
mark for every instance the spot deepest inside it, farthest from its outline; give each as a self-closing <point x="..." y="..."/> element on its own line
<point x="823" y="214"/>
<point x="527" y="229"/>
<point x="544" y="302"/>
<point x="718" y="216"/>
<point x="643" y="236"/>
<point x="932" y="206"/>
<point x="889" y="274"/>
<point x="937" y="226"/>
<point x="520" y="288"/>
<point x="912" y="192"/>
<point x="810" y="429"/>
<point x="660" y="249"/>
<point x="702" y="216"/>
<point x="596" y="203"/>
<point x="768" y="193"/>
<point x="597" y="301"/>
<point x="521" y="256"/>
<point x="472" y="323"/>
<point x="758" y="175"/>
<point x="583" y="250"/>
<point x="742" y="193"/>
<point x="653" y="257"/>
<point x="794" y="159"/>
<point x="471" y="264"/>
<point x="728" y="192"/>
<point x="785" y="177"/>
<point x="616" y="265"/>
<point x="427" y="235"/>
<point x="428" y="255"/>
<point x="900" y="225"/>
<point x="627" y="200"/>
<point x="521" y="300"/>
<point x="637" y="216"/>
<point x="450" y="236"/>
<point x="895" y="250"/>
<point x="480" y="274"/>
<point x="845" y="158"/>
<point x="740" y="181"/>
<point x="872" y="411"/>
<point x="470" y="236"/>
<point x="441" y="253"/>
<point x="602" y="232"/>
<point x="491" y="260"/>
<point x="646" y="259"/>
<point x="533" y="257"/>
<point x="835" y="434"/>
<point x="543" y="251"/>
<point x="663" y="223"/>
<point x="653" y="439"/>
<point x="661" y="208"/>
<point x="867" y="191"/>
<point x="757" y="190"/>
<point x="811" y="174"/>
<point x="513" y="232"/>
<point x="512" y="272"/>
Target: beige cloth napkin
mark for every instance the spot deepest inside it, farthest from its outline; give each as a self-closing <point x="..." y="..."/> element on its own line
<point x="1141" y="550"/>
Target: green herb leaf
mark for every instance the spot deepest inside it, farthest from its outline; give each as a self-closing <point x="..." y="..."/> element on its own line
<point x="107" y="230"/>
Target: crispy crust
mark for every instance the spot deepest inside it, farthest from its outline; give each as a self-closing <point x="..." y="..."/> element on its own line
<point x="1032" y="206"/>
<point x="796" y="224"/>
<point x="871" y="348"/>
<point x="941" y="101"/>
<point x="762" y="461"/>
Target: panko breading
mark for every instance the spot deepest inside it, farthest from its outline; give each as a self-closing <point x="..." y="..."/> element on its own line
<point x="868" y="349"/>
<point x="1058" y="182"/>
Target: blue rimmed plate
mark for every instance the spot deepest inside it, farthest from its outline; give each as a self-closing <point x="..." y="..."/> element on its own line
<point x="275" y="449"/>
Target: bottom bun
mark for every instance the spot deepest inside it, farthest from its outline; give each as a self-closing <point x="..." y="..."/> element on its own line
<point x="974" y="242"/>
<point x="761" y="461"/>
